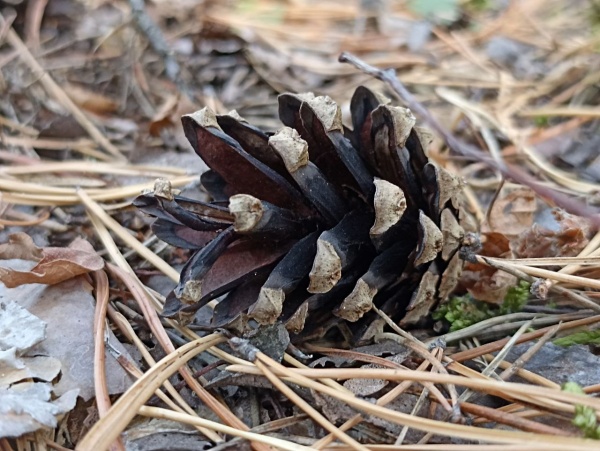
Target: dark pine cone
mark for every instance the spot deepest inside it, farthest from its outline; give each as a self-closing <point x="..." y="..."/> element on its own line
<point x="315" y="223"/>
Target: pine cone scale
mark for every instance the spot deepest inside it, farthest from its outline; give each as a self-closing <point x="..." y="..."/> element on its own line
<point x="238" y="168"/>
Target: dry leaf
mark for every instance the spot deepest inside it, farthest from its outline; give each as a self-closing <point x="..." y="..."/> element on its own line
<point x="54" y="264"/>
<point x="20" y="330"/>
<point x="169" y="115"/>
<point x="15" y="369"/>
<point x="513" y="213"/>
<point x="556" y="233"/>
<point x="27" y="407"/>
<point x="67" y="309"/>
<point x="484" y="282"/>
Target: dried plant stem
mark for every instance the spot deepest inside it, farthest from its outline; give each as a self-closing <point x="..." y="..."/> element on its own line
<point x="384" y="400"/>
<point x="420" y="348"/>
<point x="301" y="377"/>
<point x="522" y="373"/>
<point x="526" y="272"/>
<point x="527" y="355"/>
<point x="25" y="129"/>
<point x="512" y="420"/>
<point x="182" y="406"/>
<point x="544" y="273"/>
<point x="497" y="345"/>
<point x="52" y="87"/>
<point x="580" y="111"/>
<point x="555" y="261"/>
<point x="479" y="383"/>
<point x="100" y="387"/>
<point x="108" y="428"/>
<point x="491" y="367"/>
<point x="96" y="168"/>
<point x="333" y="384"/>
<point x="320" y="419"/>
<point x="510" y="322"/>
<point x="156" y="412"/>
<point x="82" y="146"/>
<point x="109" y="243"/>
<point x="33" y="193"/>
<point x="145" y="302"/>
<point x="122" y="233"/>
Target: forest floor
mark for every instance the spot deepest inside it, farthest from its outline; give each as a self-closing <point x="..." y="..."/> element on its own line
<point x="92" y="92"/>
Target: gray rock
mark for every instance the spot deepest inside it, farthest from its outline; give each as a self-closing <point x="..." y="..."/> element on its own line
<point x="560" y="365"/>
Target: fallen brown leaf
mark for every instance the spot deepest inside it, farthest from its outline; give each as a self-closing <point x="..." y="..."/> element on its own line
<point x="558" y="233"/>
<point x="484" y="282"/>
<point x="54" y="264"/>
<point x="513" y="213"/>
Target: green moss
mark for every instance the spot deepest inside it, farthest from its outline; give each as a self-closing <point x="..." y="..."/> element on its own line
<point x="580" y="338"/>
<point x="516" y="298"/>
<point x="542" y="121"/>
<point x="464" y="311"/>
<point x="585" y="417"/>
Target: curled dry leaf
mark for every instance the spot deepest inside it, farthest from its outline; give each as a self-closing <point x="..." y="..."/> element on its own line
<point x="54" y="264"/>
<point x="484" y="282"/>
<point x="555" y="233"/>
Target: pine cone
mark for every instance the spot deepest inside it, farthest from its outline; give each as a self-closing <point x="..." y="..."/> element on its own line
<point x="316" y="223"/>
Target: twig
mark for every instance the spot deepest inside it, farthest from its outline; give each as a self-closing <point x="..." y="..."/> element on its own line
<point x="498" y="359"/>
<point x="464" y="149"/>
<point x="527" y="355"/>
<point x="157" y="412"/>
<point x="512" y="420"/>
<point x="497" y="345"/>
<point x="529" y="273"/>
